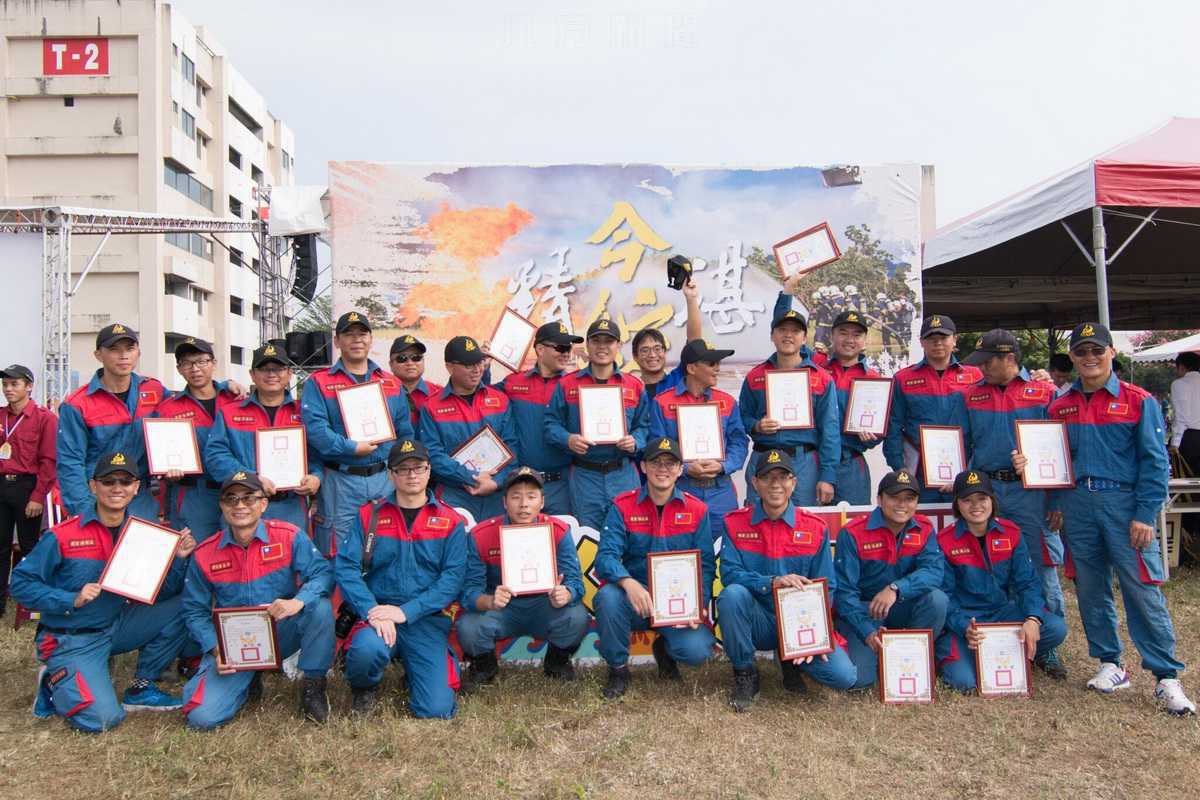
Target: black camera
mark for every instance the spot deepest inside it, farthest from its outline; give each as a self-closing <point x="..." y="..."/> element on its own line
<point x="346" y="620"/>
<point x="679" y="272"/>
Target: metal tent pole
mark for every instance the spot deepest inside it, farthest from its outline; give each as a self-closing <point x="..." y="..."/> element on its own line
<point x="1099" y="244"/>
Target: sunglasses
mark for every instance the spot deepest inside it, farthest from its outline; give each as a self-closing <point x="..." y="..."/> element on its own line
<point x="558" y="348"/>
<point x="111" y="482"/>
<point x="1088" y="352"/>
<point x="405" y="359"/>
<point x="235" y="500"/>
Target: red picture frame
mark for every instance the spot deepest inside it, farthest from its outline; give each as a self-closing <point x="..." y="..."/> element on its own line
<point x="784" y="653"/>
<point x="1024" y="665"/>
<point x="583" y="426"/>
<point x="698" y="617"/>
<point x="224" y="650"/>
<point x="162" y="576"/>
<point x="780" y="258"/>
<point x="391" y="435"/>
<point x="504" y="574"/>
<point x="1066" y="440"/>
<point x="515" y="364"/>
<point x="783" y="424"/>
<point x="150" y="422"/>
<point x="260" y="434"/>
<point x="887" y="411"/>
<point x="484" y="431"/>
<point x="880" y="676"/>
<point x="940" y="482"/>
<point x="720" y="455"/>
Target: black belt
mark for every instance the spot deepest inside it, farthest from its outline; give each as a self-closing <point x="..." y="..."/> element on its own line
<point x="288" y="495"/>
<point x="192" y="480"/>
<point x="365" y="471"/>
<point x="551" y="477"/>
<point x="68" y="631"/>
<point x="847" y="456"/>
<point x="787" y="448"/>
<point x="1006" y="475"/>
<point x="601" y="466"/>
<point x="707" y="483"/>
<point x="20" y="476"/>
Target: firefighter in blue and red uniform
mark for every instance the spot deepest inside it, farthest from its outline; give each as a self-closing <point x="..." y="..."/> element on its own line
<point x="355" y="472"/>
<point x="491" y="612"/>
<point x="929" y="392"/>
<point x="82" y="626"/>
<point x="655" y="518"/>
<point x="815" y="451"/>
<point x="529" y="394"/>
<point x="191" y="500"/>
<point x="407" y="360"/>
<point x="846" y="363"/>
<point x="232" y="444"/>
<point x="105" y="416"/>
<point x="711" y="480"/>
<point x="1118" y="451"/>
<point x="452" y="417"/>
<point x="987" y="578"/>
<point x="889" y="574"/>
<point x="649" y="348"/>
<point x="253" y="561"/>
<point x="599" y="472"/>
<point x="773" y="543"/>
<point x="399" y="569"/>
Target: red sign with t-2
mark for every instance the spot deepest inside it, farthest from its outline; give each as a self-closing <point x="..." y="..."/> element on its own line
<point x="75" y="56"/>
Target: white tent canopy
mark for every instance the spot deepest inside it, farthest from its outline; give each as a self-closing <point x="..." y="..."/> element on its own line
<point x="1168" y="351"/>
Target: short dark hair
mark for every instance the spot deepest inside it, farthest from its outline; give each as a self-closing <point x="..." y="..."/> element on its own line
<point x="1189" y="361"/>
<point x="1061" y="362"/>
<point x="648" y="333"/>
<point x="995" y="508"/>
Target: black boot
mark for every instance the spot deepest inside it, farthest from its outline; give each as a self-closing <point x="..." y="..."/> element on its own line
<point x="793" y="678"/>
<point x="314" y="702"/>
<point x="255" y="693"/>
<point x="618" y="682"/>
<point x="557" y="663"/>
<point x="481" y="671"/>
<point x="364" y="700"/>
<point x="745" y="689"/>
<point x="668" y="670"/>
<point x="1051" y="665"/>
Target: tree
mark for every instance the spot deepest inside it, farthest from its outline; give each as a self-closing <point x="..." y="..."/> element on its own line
<point x="316" y="316"/>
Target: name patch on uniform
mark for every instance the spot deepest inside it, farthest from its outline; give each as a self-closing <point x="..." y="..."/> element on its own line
<point x="960" y="551"/>
<point x="638" y="518"/>
<point x="438" y="522"/>
<point x="979" y="398"/>
<point x="493" y="552"/>
<point x="220" y="566"/>
<point x="683" y="517"/>
<point x="444" y="410"/>
<point x="802" y="537"/>
<point x="872" y="546"/>
<point x="746" y="535"/>
<point x="81" y="543"/>
<point x="1068" y="411"/>
<point x="57" y="677"/>
<point x="517" y="387"/>
<point x="272" y="552"/>
<point x="915" y="382"/>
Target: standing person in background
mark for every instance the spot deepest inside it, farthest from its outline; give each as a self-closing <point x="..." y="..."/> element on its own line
<point x="650" y="348"/>
<point x="846" y="363"/>
<point x="407" y="360"/>
<point x="1185" y="420"/>
<point x="1062" y="373"/>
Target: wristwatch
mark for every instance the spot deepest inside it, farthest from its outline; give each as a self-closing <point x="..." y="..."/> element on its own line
<point x="895" y="589"/>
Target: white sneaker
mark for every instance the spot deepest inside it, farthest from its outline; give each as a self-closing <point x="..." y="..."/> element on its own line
<point x="1109" y="678"/>
<point x="1170" y="697"/>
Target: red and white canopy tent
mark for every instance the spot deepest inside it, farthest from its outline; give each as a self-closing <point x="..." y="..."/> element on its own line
<point x="1115" y="239"/>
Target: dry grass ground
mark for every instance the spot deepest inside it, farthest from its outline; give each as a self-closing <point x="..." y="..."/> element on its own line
<point x="527" y="738"/>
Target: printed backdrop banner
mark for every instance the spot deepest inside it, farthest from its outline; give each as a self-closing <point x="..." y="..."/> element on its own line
<point x="438" y="251"/>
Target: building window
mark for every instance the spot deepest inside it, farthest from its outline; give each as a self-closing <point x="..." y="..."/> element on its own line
<point x="235" y="305"/>
<point x="180" y="180"/>
<point x="235" y="207"/>
<point x="256" y="312"/>
<point x="235" y="158"/>
<point x="242" y="116"/>
<point x="69" y="102"/>
<point x="254" y="265"/>
<point x="188" y="70"/>
<point x="256" y="175"/>
<point x="174" y="108"/>
<point x="199" y="297"/>
<point x="188" y="123"/>
<point x="201" y="93"/>
<point x="194" y="243"/>
<point x="287" y="160"/>
<point x="236" y="258"/>
<point x="235" y="354"/>
<point x="176" y="287"/>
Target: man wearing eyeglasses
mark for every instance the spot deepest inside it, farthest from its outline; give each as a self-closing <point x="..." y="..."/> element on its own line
<point x="399" y="567"/>
<point x="650" y="348"/>
<point x="82" y="626"/>
<point x="233" y="443"/>
<point x="355" y="472"/>
<point x="192" y="499"/>
<point x="257" y="561"/>
<point x="407" y="360"/>
<point x="1119" y="454"/>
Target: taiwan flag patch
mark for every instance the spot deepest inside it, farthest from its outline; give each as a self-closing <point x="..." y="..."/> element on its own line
<point x="1118" y="409"/>
<point x="272" y="552"/>
<point x="912" y="537"/>
<point x="802" y="537"/>
<point x="683" y="518"/>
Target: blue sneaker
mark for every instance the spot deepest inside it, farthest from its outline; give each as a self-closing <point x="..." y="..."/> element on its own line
<point x="150" y="699"/>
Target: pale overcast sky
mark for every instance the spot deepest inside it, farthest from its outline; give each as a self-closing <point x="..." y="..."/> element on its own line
<point x="995" y="95"/>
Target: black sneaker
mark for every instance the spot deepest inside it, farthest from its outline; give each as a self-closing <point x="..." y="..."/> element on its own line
<point x="668" y="670"/>
<point x="314" y="702"/>
<point x="363" y="701"/>
<point x="1050" y="665"/>
<point x="255" y="693"/>
<point x="745" y="689"/>
<point x="481" y="671"/>
<point x="618" y="682"/>
<point x="557" y="663"/>
<point x="793" y="678"/>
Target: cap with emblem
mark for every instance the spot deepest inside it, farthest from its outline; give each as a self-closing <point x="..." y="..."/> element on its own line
<point x="1091" y="333"/>
<point x="604" y="327"/>
<point x="267" y="354"/>
<point x="17" y="371"/>
<point x="345" y="321"/>
<point x="555" y="333"/>
<point x="407" y="342"/>
<point x="463" y="350"/>
<point x="774" y="459"/>
<point x="192" y="345"/>
<point x="114" y="462"/>
<point x="850" y="318"/>
<point x="996" y="342"/>
<point x="899" y="481"/>
<point x="701" y="350"/>
<point x="248" y="480"/>
<point x="661" y="445"/>
<point x="791" y="315"/>
<point x="524" y="475"/>
<point x="111" y="334"/>
<point x="972" y="482"/>
<point x="405" y="449"/>
<point x="938" y="324"/>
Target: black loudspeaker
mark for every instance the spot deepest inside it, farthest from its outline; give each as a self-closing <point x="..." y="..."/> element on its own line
<point x="310" y="350"/>
<point x="304" y="257"/>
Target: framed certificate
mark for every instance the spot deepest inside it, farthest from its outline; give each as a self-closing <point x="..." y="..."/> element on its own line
<point x="365" y="413"/>
<point x="140" y="560"/>
<point x="171" y="444"/>
<point x="1044" y="443"/>
<point x="906" y="666"/>
<point x="281" y="455"/>
<point x="942" y="455"/>
<point x="789" y="398"/>
<point x="484" y="452"/>
<point x="674" y="577"/>
<point x="246" y="638"/>
<point x="511" y="339"/>
<point x="701" y="436"/>
<point x="804" y="620"/>
<point x="602" y="413"/>
<point x="527" y="558"/>
<point x="1001" y="669"/>
<point x="868" y="406"/>
<point x="807" y="250"/>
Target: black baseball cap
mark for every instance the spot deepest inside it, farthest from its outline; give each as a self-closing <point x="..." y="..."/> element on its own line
<point x="405" y="449"/>
<point x="661" y="445"/>
<point x="555" y="333"/>
<point x="407" y="342"/>
<point x="115" y="462"/>
<point x="524" y="475"/>
<point x="351" y="318"/>
<point x="267" y="354"/>
<point x="463" y="350"/>
<point x="899" y="481"/>
<point x="938" y="323"/>
<point x="111" y="334"/>
<point x="1092" y="332"/>
<point x="850" y="318"/>
<point x="604" y="327"/>
<point x="700" y="350"/>
<point x="192" y="345"/>
<point x="17" y="371"/>
<point x="972" y="482"/>
<point x="248" y="480"/>
<point x="996" y="342"/>
<point x="774" y="459"/>
<point x="791" y="315"/>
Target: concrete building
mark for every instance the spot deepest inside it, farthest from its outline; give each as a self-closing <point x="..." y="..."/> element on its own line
<point x="126" y="105"/>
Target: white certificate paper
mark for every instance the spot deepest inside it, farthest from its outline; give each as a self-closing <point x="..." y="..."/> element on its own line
<point x="511" y="339"/>
<point x="1000" y="665"/>
<point x="246" y="637"/>
<point x="700" y="435"/>
<point x="942" y="455"/>
<point x="602" y="414"/>
<point x="282" y="455"/>
<point x="365" y="413"/>
<point x="140" y="560"/>
<point x="1044" y="443"/>
<point x="807" y="250"/>
<point x="906" y="667"/>
<point x="789" y="398"/>
<point x="483" y="452"/>
<point x="527" y="564"/>
<point x="803" y="619"/>
<point x="171" y="444"/>
<point x="868" y="406"/>
<point x="674" y="587"/>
